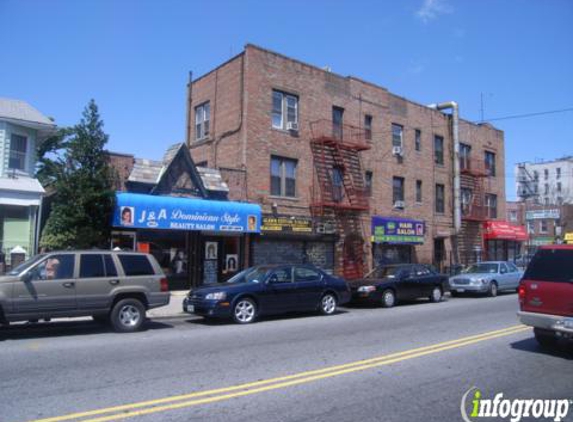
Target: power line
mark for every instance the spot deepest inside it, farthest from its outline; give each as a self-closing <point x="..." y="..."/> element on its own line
<point x="521" y="116"/>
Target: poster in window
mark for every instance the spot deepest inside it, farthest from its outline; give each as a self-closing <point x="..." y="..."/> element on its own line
<point x="231" y="263"/>
<point x="211" y="250"/>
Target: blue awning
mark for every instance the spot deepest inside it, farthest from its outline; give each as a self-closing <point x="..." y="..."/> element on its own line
<point x="135" y="210"/>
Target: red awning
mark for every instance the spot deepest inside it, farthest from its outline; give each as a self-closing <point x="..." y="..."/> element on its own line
<point x="504" y="231"/>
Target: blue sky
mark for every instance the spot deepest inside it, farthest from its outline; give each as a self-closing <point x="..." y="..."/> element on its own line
<point x="133" y="58"/>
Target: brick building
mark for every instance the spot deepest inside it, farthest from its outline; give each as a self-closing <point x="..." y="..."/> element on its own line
<point x="347" y="173"/>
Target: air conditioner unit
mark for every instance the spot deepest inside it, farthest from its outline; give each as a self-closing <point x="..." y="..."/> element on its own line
<point x="397" y="151"/>
<point x="320" y="228"/>
<point x="325" y="228"/>
<point x="399" y="205"/>
<point x="292" y="126"/>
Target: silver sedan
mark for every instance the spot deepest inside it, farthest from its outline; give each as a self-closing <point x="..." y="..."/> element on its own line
<point x="489" y="277"/>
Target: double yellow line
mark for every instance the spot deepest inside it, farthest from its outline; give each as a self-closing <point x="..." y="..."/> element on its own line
<point x="211" y="396"/>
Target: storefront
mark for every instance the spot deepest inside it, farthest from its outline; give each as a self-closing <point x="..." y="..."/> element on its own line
<point x="196" y="241"/>
<point x="294" y="240"/>
<point x="503" y="241"/>
<point x="394" y="239"/>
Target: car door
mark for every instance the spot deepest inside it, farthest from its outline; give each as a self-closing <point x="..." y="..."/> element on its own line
<point x="279" y="294"/>
<point x="406" y="283"/>
<point x="97" y="277"/>
<point x="47" y="288"/>
<point x="504" y="277"/>
<point x="514" y="275"/>
<point x="425" y="281"/>
<point x="309" y="284"/>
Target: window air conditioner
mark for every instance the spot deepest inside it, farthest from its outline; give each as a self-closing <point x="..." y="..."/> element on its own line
<point x="292" y="126"/>
<point x="397" y="151"/>
<point x="399" y="205"/>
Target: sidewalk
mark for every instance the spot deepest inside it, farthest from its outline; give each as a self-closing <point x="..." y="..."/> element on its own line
<point x="173" y="310"/>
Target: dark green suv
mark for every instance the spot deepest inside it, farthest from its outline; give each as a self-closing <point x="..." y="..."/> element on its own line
<point x="115" y="287"/>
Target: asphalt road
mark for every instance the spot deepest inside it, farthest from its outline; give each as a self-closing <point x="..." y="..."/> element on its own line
<point x="410" y="363"/>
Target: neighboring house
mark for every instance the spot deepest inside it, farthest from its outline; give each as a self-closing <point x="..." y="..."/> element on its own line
<point x="546" y="182"/>
<point x="22" y="128"/>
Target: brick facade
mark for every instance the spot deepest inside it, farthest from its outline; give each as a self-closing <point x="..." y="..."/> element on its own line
<point x="242" y="141"/>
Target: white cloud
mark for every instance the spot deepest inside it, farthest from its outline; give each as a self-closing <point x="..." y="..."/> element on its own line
<point x="431" y="9"/>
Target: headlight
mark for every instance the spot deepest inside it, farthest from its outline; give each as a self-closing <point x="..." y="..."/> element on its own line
<point x="366" y="289"/>
<point x="216" y="296"/>
<point x="478" y="281"/>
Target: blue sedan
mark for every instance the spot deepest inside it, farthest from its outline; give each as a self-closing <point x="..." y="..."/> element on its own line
<point x="269" y="289"/>
<point x="488" y="277"/>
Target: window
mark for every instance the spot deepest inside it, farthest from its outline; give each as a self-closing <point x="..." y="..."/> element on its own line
<point x="418" y="191"/>
<point x="91" y="265"/>
<point x="368" y="183"/>
<point x="135" y="265"/>
<point x="491" y="205"/>
<point x="546" y="174"/>
<point x="282" y="275"/>
<point x="285" y="110"/>
<point x="110" y="269"/>
<point x="439" y="150"/>
<point x="397" y="135"/>
<point x="337" y="122"/>
<point x="466" y="194"/>
<point x="397" y="189"/>
<point x="546" y="201"/>
<point x="489" y="159"/>
<point x="305" y="274"/>
<point x="555" y="265"/>
<point x="512" y="267"/>
<point x="440" y="198"/>
<point x="368" y="126"/>
<point x="418" y="140"/>
<point x="337" y="184"/>
<point x="17" y="158"/>
<point x="543" y="226"/>
<point x="55" y="267"/>
<point x="531" y="227"/>
<point x="202" y="118"/>
<point x="513" y="216"/>
<point x="560" y="200"/>
<point x="465" y="152"/>
<point x="546" y="189"/>
<point x="558" y="173"/>
<point x="558" y="186"/>
<point x="283" y="177"/>
<point x="536" y="175"/>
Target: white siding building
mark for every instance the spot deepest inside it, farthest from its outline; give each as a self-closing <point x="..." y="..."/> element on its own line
<point x="548" y="182"/>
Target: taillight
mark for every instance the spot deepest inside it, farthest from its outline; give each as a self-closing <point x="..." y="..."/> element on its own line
<point x="521" y="291"/>
<point x="164" y="285"/>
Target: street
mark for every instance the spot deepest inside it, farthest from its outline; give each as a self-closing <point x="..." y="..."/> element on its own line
<point x="413" y="362"/>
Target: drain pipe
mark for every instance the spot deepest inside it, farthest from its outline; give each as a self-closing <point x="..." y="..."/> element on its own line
<point x="456" y="164"/>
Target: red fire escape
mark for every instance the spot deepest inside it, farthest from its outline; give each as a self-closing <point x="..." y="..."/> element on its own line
<point x="473" y="180"/>
<point x="339" y="192"/>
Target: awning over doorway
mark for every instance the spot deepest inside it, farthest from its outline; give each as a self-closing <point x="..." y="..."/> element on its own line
<point x="134" y="210"/>
<point x="503" y="230"/>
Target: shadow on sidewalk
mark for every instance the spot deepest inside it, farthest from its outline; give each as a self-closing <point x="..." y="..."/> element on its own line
<point x="563" y="350"/>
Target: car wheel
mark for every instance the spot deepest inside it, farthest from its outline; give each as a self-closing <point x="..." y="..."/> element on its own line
<point x="328" y="304"/>
<point x="127" y="315"/>
<point x="492" y="289"/>
<point x="545" y="338"/>
<point x="244" y="311"/>
<point x="388" y="298"/>
<point x="436" y="295"/>
<point x="101" y="319"/>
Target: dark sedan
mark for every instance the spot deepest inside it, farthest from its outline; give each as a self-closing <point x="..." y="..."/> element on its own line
<point x="269" y="289"/>
<point x="389" y="284"/>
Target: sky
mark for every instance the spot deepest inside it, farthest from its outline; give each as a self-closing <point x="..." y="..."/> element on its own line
<point x="133" y="57"/>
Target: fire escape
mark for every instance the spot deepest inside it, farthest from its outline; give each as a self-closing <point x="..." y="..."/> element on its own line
<point x="473" y="183"/>
<point x="339" y="192"/>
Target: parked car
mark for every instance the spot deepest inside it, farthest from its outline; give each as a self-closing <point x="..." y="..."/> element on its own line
<point x="488" y="277"/>
<point x="269" y="289"/>
<point x="387" y="285"/>
<point x="546" y="294"/>
<point x="115" y="287"/>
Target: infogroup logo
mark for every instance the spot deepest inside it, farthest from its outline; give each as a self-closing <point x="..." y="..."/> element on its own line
<point x="513" y="409"/>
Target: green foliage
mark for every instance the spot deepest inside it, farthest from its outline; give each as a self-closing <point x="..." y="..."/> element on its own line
<point x="73" y="165"/>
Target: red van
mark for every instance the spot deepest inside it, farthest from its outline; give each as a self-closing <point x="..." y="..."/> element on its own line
<point x="546" y="294"/>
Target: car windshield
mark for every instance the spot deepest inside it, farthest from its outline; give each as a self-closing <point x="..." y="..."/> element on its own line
<point x="482" y="269"/>
<point x="26" y="264"/>
<point x="385" y="272"/>
<point x="250" y="275"/>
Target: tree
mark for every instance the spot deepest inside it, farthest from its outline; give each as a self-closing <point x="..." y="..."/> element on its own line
<point x="73" y="165"/>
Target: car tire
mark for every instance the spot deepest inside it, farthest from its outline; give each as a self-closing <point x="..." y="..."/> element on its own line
<point x="388" y="298"/>
<point x="493" y="289"/>
<point x="101" y="319"/>
<point x="244" y="311"/>
<point x="546" y="339"/>
<point x="328" y="304"/>
<point x="437" y="295"/>
<point x="127" y="316"/>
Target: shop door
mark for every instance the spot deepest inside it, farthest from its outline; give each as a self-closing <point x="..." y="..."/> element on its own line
<point x="439" y="253"/>
<point x="211" y="263"/>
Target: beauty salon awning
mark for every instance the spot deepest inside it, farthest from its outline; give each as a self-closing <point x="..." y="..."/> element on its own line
<point x="173" y="213"/>
<point x="502" y="230"/>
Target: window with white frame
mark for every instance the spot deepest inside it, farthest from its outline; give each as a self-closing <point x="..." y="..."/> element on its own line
<point x="17" y="158"/>
<point x="202" y="120"/>
<point x="285" y="110"/>
<point x="397" y="135"/>
<point x="491" y="205"/>
<point x="531" y="227"/>
<point x="513" y="216"/>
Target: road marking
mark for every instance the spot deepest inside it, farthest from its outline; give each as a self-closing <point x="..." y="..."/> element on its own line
<point x="220" y="394"/>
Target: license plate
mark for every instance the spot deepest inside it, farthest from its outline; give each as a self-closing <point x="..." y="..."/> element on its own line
<point x="460" y="290"/>
<point x="190" y="308"/>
